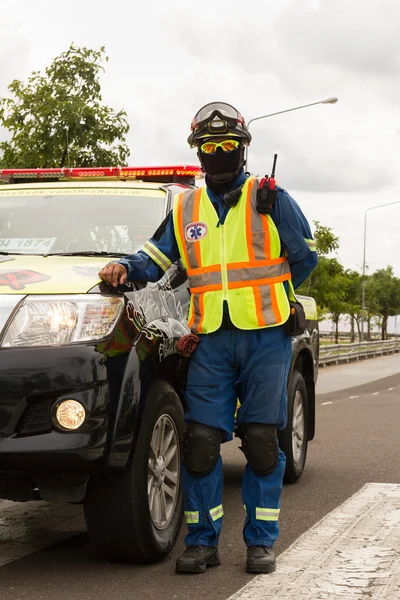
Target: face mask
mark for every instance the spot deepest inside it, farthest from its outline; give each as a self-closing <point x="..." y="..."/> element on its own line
<point x="220" y="163"/>
<point x="222" y="169"/>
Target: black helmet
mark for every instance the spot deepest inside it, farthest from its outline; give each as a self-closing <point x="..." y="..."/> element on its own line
<point x="216" y="119"/>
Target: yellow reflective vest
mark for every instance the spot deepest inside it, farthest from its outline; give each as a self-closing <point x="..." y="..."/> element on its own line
<point x="239" y="261"/>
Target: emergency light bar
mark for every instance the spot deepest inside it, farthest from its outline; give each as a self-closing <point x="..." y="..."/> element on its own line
<point x="157" y="174"/>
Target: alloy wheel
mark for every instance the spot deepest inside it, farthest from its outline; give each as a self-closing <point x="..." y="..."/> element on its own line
<point x="163" y="473"/>
<point x="298" y="426"/>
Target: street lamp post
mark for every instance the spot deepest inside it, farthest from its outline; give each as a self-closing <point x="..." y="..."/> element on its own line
<point x="326" y="101"/>
<point x="364" y="266"/>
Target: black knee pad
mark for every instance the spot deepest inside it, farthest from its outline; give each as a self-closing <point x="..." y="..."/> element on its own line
<point x="260" y="446"/>
<point x="201" y="445"/>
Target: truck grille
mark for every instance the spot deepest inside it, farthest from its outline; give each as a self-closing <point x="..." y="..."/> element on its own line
<point x="37" y="420"/>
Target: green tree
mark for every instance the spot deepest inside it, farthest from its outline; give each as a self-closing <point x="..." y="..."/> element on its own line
<point x="335" y="301"/>
<point x="371" y="314"/>
<point x="382" y="294"/>
<point x="322" y="282"/>
<point x="57" y="119"/>
<point x="352" y="298"/>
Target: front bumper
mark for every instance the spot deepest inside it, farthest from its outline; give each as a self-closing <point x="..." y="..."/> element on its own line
<point x="32" y="382"/>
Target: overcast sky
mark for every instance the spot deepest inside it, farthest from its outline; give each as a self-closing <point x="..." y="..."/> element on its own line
<point x="168" y="58"/>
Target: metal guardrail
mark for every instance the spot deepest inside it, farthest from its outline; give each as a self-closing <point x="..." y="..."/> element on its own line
<point x="338" y="353"/>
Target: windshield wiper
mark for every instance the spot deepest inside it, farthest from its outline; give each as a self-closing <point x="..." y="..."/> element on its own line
<point x="87" y="253"/>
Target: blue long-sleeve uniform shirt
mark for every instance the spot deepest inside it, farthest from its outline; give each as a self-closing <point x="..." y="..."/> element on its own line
<point x="294" y="232"/>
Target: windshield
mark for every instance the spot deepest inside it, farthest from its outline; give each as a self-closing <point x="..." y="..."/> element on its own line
<point x="46" y="221"/>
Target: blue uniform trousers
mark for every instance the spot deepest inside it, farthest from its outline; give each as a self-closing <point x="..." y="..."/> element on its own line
<point x="252" y="366"/>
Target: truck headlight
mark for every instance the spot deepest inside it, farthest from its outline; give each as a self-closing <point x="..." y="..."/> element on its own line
<point x="63" y="320"/>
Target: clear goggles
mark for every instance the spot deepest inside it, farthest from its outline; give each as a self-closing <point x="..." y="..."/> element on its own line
<point x="209" y="112"/>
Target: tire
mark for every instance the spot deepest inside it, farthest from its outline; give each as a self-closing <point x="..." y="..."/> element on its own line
<point x="293" y="439"/>
<point x="119" y="520"/>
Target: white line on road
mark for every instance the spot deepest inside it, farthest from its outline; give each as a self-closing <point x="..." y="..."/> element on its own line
<point x="30" y="526"/>
<point x="351" y="397"/>
<point x="353" y="552"/>
<point x="390" y="389"/>
<point x="375" y="393"/>
<point x="325" y="403"/>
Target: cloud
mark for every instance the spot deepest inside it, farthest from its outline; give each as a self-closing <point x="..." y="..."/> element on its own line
<point x="315" y="157"/>
<point x="14" y="48"/>
<point x="337" y="175"/>
<point x="350" y="45"/>
<point x="359" y="37"/>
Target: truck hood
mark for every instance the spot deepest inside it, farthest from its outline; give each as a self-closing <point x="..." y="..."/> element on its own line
<point x="22" y="274"/>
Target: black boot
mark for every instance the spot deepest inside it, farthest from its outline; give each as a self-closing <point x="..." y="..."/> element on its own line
<point x="260" y="560"/>
<point x="195" y="559"/>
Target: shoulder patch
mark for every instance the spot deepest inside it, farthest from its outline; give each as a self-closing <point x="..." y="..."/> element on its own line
<point x="196" y="231"/>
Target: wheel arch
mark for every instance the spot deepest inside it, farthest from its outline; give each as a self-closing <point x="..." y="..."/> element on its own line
<point x="153" y="357"/>
<point x="304" y="363"/>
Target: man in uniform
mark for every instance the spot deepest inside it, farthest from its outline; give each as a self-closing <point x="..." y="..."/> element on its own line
<point x="243" y="267"/>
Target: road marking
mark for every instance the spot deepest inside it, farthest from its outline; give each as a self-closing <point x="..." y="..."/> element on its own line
<point x="351" y="397"/>
<point x="26" y="527"/>
<point x="390" y="389"/>
<point x="351" y="553"/>
<point x="325" y="403"/>
<point x="375" y="393"/>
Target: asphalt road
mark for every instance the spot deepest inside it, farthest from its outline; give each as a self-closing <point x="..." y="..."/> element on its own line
<point x="357" y="442"/>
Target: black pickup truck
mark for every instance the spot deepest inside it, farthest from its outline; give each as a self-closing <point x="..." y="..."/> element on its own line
<point x="91" y="402"/>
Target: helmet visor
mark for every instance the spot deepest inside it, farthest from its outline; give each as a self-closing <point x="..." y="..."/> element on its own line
<point x="220" y="109"/>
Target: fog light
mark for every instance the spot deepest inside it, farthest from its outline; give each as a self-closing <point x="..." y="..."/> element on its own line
<point x="70" y="414"/>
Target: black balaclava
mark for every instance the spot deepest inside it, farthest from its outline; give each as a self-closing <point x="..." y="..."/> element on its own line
<point x="222" y="168"/>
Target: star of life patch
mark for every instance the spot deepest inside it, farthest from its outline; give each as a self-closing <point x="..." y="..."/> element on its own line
<point x="195" y="231"/>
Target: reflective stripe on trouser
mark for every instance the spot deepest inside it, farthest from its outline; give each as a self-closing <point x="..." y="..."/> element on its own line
<point x="191" y="516"/>
<point x="261" y="525"/>
<point x="260" y="528"/>
<point x="217" y="512"/>
<point x="205" y="494"/>
<point x="258" y="362"/>
<point x="267" y="514"/>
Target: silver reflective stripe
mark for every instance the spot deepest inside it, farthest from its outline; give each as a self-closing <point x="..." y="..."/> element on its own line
<point x="267" y="514"/>
<point x="211" y="278"/>
<point x="191" y="516"/>
<point x="262" y="249"/>
<point x="266" y="303"/>
<point x="311" y="244"/>
<point x="254" y="273"/>
<point x="258" y="233"/>
<point x="196" y="312"/>
<point x="217" y="512"/>
<point x="240" y="274"/>
<point x="7" y="304"/>
<point x="155" y="254"/>
<point x="187" y="218"/>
